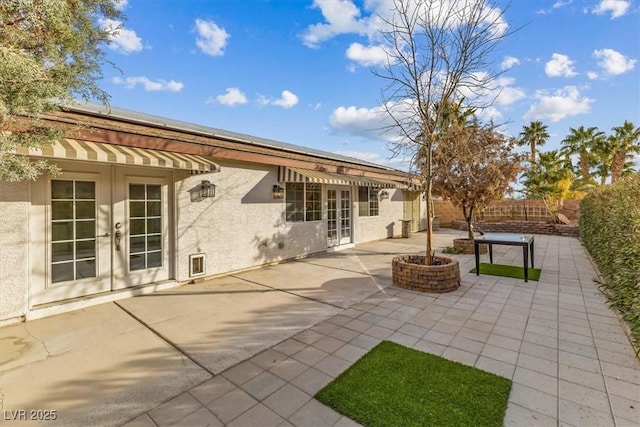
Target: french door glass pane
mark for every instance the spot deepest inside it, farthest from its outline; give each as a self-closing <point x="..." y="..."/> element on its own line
<point x="332" y="226"/>
<point x="73" y="230"/>
<point x="345" y="214"/>
<point x="145" y="226"/>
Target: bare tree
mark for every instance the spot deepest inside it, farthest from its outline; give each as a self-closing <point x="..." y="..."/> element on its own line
<point x="439" y="55"/>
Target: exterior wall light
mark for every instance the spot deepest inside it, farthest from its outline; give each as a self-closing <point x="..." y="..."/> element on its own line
<point x="207" y="190"/>
<point x="384" y="194"/>
<point x="278" y="192"/>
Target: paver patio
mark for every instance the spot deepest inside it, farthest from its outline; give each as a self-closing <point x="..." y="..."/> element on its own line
<point x="253" y="348"/>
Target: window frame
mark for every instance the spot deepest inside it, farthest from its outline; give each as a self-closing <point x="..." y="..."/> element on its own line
<point x="309" y="207"/>
<point x="369" y="203"/>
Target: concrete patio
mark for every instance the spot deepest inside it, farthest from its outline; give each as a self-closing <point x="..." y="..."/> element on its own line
<point x="251" y="349"/>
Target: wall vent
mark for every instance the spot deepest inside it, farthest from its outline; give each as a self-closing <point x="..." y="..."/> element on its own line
<point x="197" y="265"/>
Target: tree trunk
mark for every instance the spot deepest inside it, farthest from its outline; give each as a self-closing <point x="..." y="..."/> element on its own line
<point x="427" y="174"/>
<point x="584" y="165"/>
<point x="617" y="165"/>
<point x="468" y="217"/>
<point x="428" y="259"/>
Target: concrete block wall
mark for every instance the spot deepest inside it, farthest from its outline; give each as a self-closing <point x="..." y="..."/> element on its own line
<point x="528" y="227"/>
<point x="449" y="213"/>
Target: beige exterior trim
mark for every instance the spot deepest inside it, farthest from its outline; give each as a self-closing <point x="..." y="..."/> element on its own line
<point x="71" y="149"/>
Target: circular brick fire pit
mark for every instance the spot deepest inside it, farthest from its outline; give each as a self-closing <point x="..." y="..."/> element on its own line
<point x="409" y="272"/>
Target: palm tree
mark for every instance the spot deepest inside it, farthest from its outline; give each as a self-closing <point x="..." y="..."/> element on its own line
<point x="534" y="135"/>
<point x="626" y="142"/>
<point x="581" y="141"/>
<point x="601" y="158"/>
<point x="553" y="180"/>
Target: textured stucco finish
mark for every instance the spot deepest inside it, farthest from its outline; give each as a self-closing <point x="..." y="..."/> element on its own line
<point x="243" y="226"/>
<point x="387" y="224"/>
<point x="240" y="228"/>
<point x="14" y="246"/>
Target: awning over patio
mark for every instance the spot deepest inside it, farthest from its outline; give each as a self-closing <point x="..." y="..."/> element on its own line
<point x="71" y="149"/>
<point x="286" y="174"/>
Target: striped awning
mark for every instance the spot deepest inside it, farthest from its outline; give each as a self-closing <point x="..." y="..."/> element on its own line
<point x="311" y="176"/>
<point x="72" y="149"/>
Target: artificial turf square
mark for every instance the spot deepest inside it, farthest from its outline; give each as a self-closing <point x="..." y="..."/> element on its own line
<point x="507" y="271"/>
<point x="393" y="385"/>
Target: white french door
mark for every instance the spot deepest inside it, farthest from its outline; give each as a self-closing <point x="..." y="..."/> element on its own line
<point x="338" y="216"/>
<point x="141" y="231"/>
<point x="98" y="229"/>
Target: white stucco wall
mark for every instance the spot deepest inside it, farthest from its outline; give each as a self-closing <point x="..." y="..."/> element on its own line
<point x="243" y="226"/>
<point x="386" y="224"/>
<point x="14" y="241"/>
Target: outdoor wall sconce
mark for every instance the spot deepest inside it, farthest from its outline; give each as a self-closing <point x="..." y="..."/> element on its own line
<point x="384" y="194"/>
<point x="207" y="190"/>
<point x="278" y="192"/>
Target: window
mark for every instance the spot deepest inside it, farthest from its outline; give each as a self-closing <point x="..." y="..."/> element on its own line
<point x="313" y="197"/>
<point x="303" y="202"/>
<point x="73" y="230"/>
<point x="145" y="226"/>
<point x="368" y="202"/>
<point x="295" y="201"/>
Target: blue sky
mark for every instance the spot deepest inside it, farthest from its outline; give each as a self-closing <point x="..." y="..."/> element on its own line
<point x="297" y="71"/>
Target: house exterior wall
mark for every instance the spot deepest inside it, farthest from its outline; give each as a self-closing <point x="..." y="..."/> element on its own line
<point x="243" y="226"/>
<point x="14" y="247"/>
<point x="385" y="225"/>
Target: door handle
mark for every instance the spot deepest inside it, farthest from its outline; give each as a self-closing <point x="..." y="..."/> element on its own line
<point x="117" y="237"/>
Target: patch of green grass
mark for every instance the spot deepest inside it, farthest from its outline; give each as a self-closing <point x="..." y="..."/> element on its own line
<point x="507" y="271"/>
<point x="393" y="385"/>
<point x="452" y="250"/>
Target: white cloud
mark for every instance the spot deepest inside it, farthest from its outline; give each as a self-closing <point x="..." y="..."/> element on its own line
<point x="617" y="8"/>
<point x="502" y="93"/>
<point x="287" y="100"/>
<point x="212" y="39"/>
<point x="363" y="155"/>
<point x="508" y="94"/>
<point x="344" y="17"/>
<point x="123" y="40"/>
<point x="149" y="85"/>
<point x="613" y="62"/>
<point x="557" y="5"/>
<point x="367" y="55"/>
<point x="559" y="66"/>
<point x="560" y="3"/>
<point x="562" y="103"/>
<point x="233" y="96"/>
<point x="120" y="4"/>
<point x="359" y="121"/>
<point x="341" y="17"/>
<point x="509" y="62"/>
<point x="592" y="75"/>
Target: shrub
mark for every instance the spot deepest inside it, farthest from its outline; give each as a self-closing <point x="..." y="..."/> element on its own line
<point x="610" y="231"/>
<point x="452" y="250"/>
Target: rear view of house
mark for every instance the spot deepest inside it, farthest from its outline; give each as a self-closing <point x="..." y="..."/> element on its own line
<point x="144" y="203"/>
